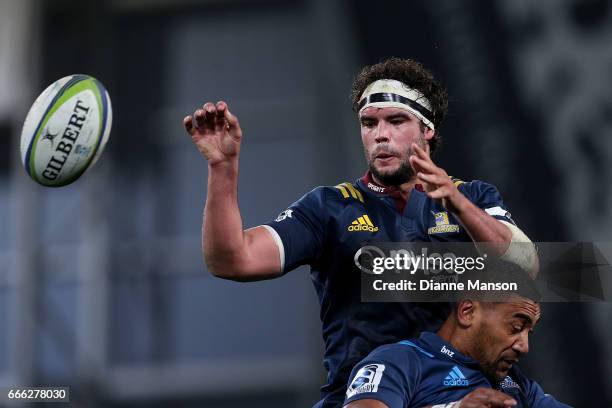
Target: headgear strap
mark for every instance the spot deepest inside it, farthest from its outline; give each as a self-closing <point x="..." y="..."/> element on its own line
<point x="389" y="93"/>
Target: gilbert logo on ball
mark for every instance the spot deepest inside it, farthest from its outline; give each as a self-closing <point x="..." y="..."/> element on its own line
<point x="66" y="130"/>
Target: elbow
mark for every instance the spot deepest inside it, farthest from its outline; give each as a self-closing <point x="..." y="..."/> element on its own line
<point x="224" y="268"/>
<point x="522" y="252"/>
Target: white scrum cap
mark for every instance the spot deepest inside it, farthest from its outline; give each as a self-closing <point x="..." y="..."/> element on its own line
<point x="389" y="93"/>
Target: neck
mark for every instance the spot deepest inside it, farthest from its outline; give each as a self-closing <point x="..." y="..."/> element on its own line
<point x="453" y="334"/>
<point x="404" y="189"/>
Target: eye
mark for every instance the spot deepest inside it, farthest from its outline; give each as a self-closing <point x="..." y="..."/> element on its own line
<point x="517" y="327"/>
<point x="367" y="123"/>
<point x="397" y="121"/>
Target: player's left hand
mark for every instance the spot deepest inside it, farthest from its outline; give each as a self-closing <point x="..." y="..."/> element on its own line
<point x="436" y="183"/>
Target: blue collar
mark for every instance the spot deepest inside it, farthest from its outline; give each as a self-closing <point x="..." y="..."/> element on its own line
<point x="443" y="350"/>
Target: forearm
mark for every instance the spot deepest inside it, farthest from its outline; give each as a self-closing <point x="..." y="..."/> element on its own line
<point x="499" y="238"/>
<point x="482" y="227"/>
<point x="222" y="230"/>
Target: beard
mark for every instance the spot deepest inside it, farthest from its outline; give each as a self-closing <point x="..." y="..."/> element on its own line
<point x="404" y="172"/>
<point x="488" y="365"/>
<point x="401" y="175"/>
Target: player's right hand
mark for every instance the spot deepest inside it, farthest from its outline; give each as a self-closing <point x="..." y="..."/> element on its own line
<point x="487" y="398"/>
<point x="215" y="132"/>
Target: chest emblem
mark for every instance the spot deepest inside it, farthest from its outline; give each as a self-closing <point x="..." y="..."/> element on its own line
<point x="443" y="225"/>
<point x="362" y="223"/>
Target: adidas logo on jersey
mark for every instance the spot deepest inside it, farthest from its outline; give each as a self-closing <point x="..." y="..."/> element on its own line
<point x="362" y="223"/>
<point x="455" y="378"/>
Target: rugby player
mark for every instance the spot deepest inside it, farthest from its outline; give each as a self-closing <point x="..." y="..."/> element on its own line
<point x="404" y="196"/>
<point x="469" y="363"/>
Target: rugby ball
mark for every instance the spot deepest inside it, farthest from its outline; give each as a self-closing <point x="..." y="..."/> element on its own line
<point x="66" y="130"/>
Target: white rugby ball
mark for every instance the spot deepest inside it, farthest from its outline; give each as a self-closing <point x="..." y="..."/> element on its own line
<point x="66" y="130"/>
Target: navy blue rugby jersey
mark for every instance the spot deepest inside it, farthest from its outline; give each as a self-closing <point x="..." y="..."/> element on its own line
<point x="328" y="225"/>
<point x="429" y="371"/>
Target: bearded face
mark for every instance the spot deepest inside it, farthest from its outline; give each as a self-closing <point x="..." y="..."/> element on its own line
<point x="388" y="135"/>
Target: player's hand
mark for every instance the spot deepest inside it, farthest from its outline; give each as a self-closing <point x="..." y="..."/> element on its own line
<point x="215" y="132"/>
<point x="437" y="184"/>
<point x="486" y="398"/>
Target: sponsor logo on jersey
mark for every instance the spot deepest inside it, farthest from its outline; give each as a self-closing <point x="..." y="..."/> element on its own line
<point x="455" y="378"/>
<point x="362" y="223"/>
<point x="367" y="379"/>
<point x="283" y="215"/>
<point x="376" y="188"/>
<point x="446" y="351"/>
<point x="508" y="382"/>
<point x="443" y="224"/>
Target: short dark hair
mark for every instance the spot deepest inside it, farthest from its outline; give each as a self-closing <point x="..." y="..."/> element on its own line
<point x="413" y="74"/>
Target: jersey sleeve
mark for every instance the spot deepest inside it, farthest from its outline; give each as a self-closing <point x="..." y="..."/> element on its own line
<point x="487" y="197"/>
<point x="299" y="231"/>
<point x="385" y="375"/>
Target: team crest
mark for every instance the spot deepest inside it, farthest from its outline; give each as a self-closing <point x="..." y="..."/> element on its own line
<point x="508" y="382"/>
<point x="443" y="224"/>
<point x="284" y="215"/>
<point x="367" y="379"/>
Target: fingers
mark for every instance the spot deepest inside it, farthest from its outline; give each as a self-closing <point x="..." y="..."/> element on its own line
<point x="487" y="397"/>
<point x="423" y="154"/>
<point x="188" y="124"/>
<point x="214" y="121"/>
<point x="198" y="117"/>
<point x="220" y="122"/>
<point x="423" y="164"/>
<point x="436" y="179"/>
<point x="203" y="119"/>
<point x="232" y="121"/>
<point x="210" y="117"/>
<point x="439" y="193"/>
<point x="210" y="113"/>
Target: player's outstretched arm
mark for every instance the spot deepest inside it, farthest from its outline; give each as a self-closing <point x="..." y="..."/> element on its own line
<point x="229" y="251"/>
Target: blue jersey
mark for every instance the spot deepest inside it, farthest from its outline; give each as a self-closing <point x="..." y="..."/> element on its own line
<point x="428" y="371"/>
<point x="328" y="225"/>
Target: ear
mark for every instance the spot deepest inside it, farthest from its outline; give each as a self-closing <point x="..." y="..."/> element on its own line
<point x="428" y="133"/>
<point x="466" y="312"/>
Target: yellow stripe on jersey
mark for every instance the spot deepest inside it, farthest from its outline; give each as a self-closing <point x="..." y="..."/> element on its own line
<point x="345" y="193"/>
<point x="345" y="188"/>
<point x="367" y="219"/>
<point x="356" y="193"/>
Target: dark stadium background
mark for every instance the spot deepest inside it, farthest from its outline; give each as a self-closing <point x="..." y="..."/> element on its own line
<point x="102" y="284"/>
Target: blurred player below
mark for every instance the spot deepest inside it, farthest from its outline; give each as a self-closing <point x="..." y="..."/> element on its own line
<point x="469" y="363"/>
<point x="404" y="197"/>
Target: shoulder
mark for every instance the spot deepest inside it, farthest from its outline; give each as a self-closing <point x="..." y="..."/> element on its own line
<point x="404" y="353"/>
<point x="346" y="192"/>
<point x="478" y="191"/>
<point x="473" y="185"/>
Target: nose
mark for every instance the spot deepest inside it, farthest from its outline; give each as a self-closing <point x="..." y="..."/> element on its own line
<point x="382" y="132"/>
<point x="522" y="343"/>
